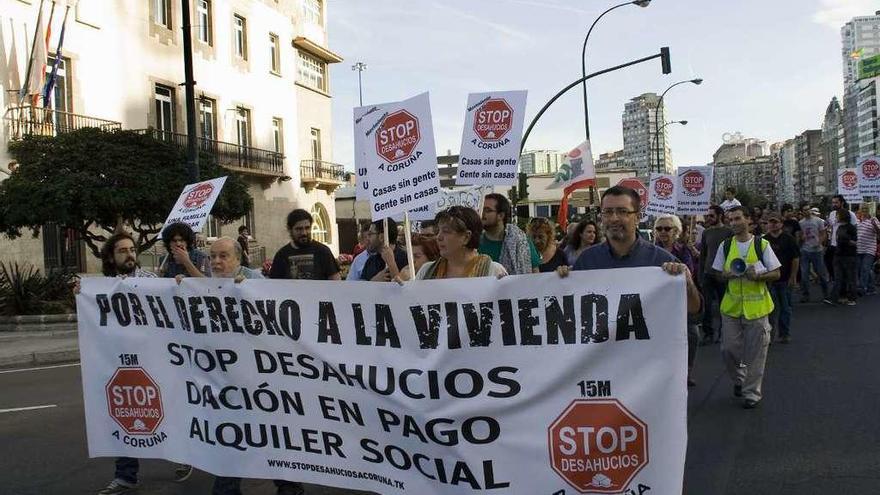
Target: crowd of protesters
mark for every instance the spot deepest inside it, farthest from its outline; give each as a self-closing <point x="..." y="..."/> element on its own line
<point x="741" y="265"/>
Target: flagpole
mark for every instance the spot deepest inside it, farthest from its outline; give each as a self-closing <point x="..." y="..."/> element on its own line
<point x="27" y="72"/>
<point x="35" y="97"/>
<point x="50" y="84"/>
<point x="409" y="248"/>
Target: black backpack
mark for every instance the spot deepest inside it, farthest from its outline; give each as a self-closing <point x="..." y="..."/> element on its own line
<point x="758" y="241"/>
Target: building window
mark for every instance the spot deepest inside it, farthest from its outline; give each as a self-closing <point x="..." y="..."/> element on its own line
<point x="212" y="228"/>
<point x="321" y="224"/>
<point x="164" y="100"/>
<point x="312" y="72"/>
<point x="203" y="16"/>
<point x="240" y="36"/>
<point x="274" y="53"/>
<point x="162" y="14"/>
<point x="208" y="118"/>
<point x="277" y="135"/>
<point x="243" y="126"/>
<point x="316" y="144"/>
<point x="312" y="12"/>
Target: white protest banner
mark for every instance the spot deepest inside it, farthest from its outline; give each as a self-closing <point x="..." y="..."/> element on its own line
<point x="869" y="176"/>
<point x="848" y="185"/>
<point x="490" y="142"/>
<point x="400" y="158"/>
<point x="577" y="166"/>
<point x="362" y="183"/>
<point x="693" y="190"/>
<point x="460" y="196"/>
<point x="195" y="203"/>
<point x="533" y="385"/>
<point x="661" y="195"/>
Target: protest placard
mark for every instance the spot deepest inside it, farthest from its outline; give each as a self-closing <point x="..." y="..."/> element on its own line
<point x="490" y="142"/>
<point x="848" y="185"/>
<point x="195" y="203"/>
<point x="661" y="195"/>
<point x="459" y="196"/>
<point x="693" y="190"/>
<point x="537" y="385"/>
<point x="397" y="144"/>
<point x="869" y="176"/>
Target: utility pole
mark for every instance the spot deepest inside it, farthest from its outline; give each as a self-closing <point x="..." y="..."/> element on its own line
<point x="360" y="67"/>
<point x="192" y="152"/>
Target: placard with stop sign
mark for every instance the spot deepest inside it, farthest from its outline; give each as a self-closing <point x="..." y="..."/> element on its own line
<point x="134" y="401"/>
<point x="598" y="445"/>
<point x="395" y="142"/>
<point x="848" y="185"/>
<point x="869" y="176"/>
<point x="195" y="203"/>
<point x="493" y="126"/>
<point x="639" y="187"/>
<point x="661" y="195"/>
<point x="693" y="189"/>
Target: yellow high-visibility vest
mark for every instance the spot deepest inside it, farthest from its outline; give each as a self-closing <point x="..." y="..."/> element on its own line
<point x="743" y="297"/>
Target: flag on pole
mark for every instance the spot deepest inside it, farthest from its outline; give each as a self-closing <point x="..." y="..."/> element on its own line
<point x="36" y="70"/>
<point x="50" y="83"/>
<point x="577" y="166"/>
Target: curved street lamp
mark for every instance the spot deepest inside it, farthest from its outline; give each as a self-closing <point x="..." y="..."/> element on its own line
<point x="640" y="3"/>
<point x="696" y="81"/>
<point x="664" y="126"/>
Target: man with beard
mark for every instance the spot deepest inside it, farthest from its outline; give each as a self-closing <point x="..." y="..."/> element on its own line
<point x="747" y="263"/>
<point x="119" y="259"/>
<point x="624" y="248"/>
<point x="384" y="261"/>
<point x="503" y="241"/>
<point x="303" y="258"/>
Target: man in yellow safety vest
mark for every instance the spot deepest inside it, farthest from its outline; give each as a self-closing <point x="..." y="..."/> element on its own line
<point x="747" y="263"/>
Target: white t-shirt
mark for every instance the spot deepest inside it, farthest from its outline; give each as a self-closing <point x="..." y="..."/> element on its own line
<point x="832" y="221"/>
<point x="771" y="262"/>
<point x="495" y="270"/>
<point x="730" y="203"/>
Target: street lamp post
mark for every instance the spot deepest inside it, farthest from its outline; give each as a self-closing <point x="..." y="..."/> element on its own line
<point x="360" y="67"/>
<point x="656" y="140"/>
<point x="640" y="3"/>
<point x="696" y="81"/>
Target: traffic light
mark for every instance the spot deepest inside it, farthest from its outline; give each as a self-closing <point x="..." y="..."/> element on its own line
<point x="523" y="187"/>
<point x="665" y="61"/>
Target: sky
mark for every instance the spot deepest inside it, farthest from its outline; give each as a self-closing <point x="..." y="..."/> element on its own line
<point x="770" y="67"/>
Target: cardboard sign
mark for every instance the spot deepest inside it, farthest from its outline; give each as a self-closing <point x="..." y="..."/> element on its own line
<point x="577" y="166"/>
<point x="639" y="187"/>
<point x="490" y="143"/>
<point x="868" y="171"/>
<point x="848" y="185"/>
<point x="463" y="196"/>
<point x="195" y="203"/>
<point x="362" y="184"/>
<point x="661" y="195"/>
<point x="397" y="142"/>
<point x="693" y="190"/>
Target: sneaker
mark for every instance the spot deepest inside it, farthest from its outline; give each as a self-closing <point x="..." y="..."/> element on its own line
<point x="850" y="302"/>
<point x="750" y="403"/>
<point x="828" y="301"/>
<point x="737" y="390"/>
<point x="182" y="472"/>
<point x="118" y="486"/>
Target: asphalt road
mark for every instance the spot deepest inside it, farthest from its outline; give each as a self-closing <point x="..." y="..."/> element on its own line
<point x="817" y="430"/>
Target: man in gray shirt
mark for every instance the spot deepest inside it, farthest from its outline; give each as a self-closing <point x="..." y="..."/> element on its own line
<point x="812" y="238"/>
<point x="713" y="290"/>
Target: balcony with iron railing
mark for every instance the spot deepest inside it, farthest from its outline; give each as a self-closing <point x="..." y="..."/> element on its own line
<point x="36" y="121"/>
<point x="321" y="174"/>
<point x="242" y="159"/>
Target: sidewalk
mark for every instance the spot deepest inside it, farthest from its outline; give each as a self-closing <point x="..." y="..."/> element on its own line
<point x="23" y="349"/>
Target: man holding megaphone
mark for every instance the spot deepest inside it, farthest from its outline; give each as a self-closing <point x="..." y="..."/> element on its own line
<point x="747" y="264"/>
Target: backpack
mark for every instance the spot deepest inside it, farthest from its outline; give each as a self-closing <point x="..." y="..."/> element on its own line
<point x="758" y="241"/>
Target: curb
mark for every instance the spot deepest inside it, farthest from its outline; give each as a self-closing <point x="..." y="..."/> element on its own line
<point x="40" y="358"/>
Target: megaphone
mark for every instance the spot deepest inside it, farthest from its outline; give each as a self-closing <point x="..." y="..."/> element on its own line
<point x="738" y="267"/>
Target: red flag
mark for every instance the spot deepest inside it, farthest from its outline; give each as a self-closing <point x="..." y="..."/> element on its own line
<point x="562" y="217"/>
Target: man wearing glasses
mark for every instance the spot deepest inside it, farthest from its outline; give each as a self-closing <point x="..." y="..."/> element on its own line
<point x="624" y="248"/>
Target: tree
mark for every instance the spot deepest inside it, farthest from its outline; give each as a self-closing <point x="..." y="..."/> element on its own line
<point x="95" y="181"/>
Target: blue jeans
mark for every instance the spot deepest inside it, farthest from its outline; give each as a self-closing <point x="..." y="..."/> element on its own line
<point x="780" y="318"/>
<point x="866" y="273"/>
<point x="815" y="260"/>
<point x="127" y="469"/>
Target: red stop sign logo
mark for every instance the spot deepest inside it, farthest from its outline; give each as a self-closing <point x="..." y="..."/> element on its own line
<point x="598" y="446"/>
<point x="637" y="186"/>
<point x="493" y="120"/>
<point x="693" y="182"/>
<point x="198" y="195"/>
<point x="871" y="169"/>
<point x="134" y="401"/>
<point x="663" y="188"/>
<point x="398" y="136"/>
<point x="850" y="179"/>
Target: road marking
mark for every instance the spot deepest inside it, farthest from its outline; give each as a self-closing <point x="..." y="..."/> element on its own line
<point x="40" y="368"/>
<point x="17" y="409"/>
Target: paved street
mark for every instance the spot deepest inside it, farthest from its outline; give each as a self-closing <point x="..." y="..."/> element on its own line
<point x="816" y="431"/>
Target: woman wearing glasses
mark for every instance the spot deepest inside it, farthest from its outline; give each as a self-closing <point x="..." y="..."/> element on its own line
<point x="458" y="237"/>
<point x="667" y="232"/>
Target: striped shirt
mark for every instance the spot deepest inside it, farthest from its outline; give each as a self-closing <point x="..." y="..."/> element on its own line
<point x="867" y="242"/>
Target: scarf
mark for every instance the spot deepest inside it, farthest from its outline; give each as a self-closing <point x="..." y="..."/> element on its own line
<point x="515" y="254"/>
<point x="477" y="267"/>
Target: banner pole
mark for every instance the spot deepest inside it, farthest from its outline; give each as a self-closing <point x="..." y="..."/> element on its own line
<point x="409" y="249"/>
<point x="385" y="230"/>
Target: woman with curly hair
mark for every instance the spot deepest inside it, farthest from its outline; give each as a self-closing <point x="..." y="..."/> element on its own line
<point x="541" y="232"/>
<point x="585" y="235"/>
<point x="183" y="259"/>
